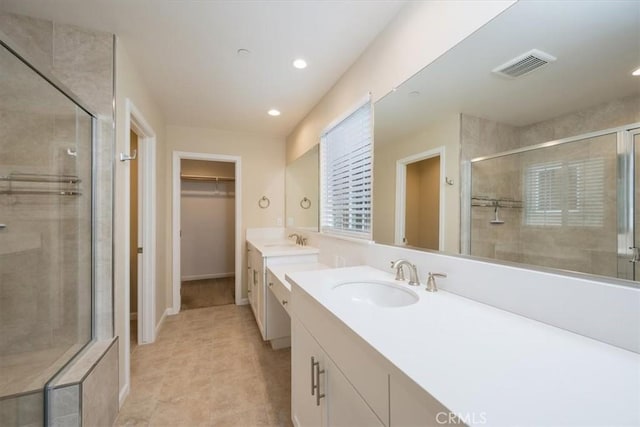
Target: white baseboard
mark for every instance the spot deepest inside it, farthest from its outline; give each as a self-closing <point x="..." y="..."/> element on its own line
<point x="124" y="392"/>
<point x="206" y="276"/>
<point x="244" y="301"/>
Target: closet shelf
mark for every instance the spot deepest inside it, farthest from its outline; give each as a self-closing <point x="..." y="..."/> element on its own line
<point x="206" y="178"/>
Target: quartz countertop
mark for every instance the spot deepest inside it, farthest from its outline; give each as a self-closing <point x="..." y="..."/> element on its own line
<point x="477" y="359"/>
<point x="270" y="247"/>
<point x="281" y="270"/>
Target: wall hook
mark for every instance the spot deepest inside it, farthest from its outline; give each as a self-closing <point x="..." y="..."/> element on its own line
<point x="448" y="180"/>
<point x="125" y="157"/>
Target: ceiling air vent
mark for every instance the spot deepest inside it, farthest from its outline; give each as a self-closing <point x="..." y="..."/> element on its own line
<point x="524" y="64"/>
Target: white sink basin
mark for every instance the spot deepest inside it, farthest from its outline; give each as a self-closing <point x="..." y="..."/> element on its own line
<point x="378" y="293"/>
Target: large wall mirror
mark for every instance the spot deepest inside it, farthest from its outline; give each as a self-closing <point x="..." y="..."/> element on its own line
<point x="302" y="191"/>
<point x="519" y="143"/>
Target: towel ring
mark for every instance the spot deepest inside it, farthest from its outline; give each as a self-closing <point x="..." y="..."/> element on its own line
<point x="305" y="203"/>
<point x="264" y="202"/>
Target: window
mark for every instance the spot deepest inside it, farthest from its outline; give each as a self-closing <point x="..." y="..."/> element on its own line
<point x="565" y="193"/>
<point x="346" y="160"/>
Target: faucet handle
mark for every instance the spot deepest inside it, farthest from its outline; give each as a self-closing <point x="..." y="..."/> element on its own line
<point x="431" y="281"/>
<point x="399" y="270"/>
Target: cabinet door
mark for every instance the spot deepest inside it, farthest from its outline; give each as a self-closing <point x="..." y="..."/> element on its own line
<point x="345" y="407"/>
<point x="258" y="288"/>
<point x="305" y="411"/>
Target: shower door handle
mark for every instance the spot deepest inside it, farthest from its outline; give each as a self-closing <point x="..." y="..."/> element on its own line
<point x="635" y="257"/>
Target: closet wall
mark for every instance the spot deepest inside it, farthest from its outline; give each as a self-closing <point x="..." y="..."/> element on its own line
<point x="207" y="220"/>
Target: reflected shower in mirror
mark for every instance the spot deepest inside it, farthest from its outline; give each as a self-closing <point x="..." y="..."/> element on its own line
<point x="538" y="73"/>
<point x="302" y="190"/>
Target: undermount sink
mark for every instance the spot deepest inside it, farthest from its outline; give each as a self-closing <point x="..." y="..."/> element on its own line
<point x="378" y="293"/>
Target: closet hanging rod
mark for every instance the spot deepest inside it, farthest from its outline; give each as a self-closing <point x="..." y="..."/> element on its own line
<point x="206" y="178"/>
<point x="35" y="177"/>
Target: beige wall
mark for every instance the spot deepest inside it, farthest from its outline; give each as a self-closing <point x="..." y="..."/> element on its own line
<point x="420" y="33"/>
<point x="130" y="85"/>
<point x="445" y="133"/>
<point x="302" y="180"/>
<point x="262" y="173"/>
<point x="207" y="168"/>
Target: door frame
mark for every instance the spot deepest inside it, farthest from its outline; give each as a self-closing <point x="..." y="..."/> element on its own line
<point x="401" y="193"/>
<point x="176" y="206"/>
<point x="135" y="121"/>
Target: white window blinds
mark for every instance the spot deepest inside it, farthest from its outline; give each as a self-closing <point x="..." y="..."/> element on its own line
<point x="565" y="193"/>
<point x="346" y="165"/>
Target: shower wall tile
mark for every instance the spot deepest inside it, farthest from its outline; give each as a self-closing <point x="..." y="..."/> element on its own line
<point x="100" y="391"/>
<point x="33" y="35"/>
<point x="65" y="406"/>
<point x="83" y="60"/>
<point x="616" y="113"/>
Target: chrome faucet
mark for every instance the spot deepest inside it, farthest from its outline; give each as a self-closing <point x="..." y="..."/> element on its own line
<point x="299" y="239"/>
<point x="413" y="271"/>
<point x="431" y="281"/>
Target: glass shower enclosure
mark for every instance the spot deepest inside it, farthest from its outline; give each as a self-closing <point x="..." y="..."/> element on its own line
<point x="571" y="204"/>
<point x="46" y="243"/>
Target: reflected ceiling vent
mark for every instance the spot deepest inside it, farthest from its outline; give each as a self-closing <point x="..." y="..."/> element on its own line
<point x="524" y="64"/>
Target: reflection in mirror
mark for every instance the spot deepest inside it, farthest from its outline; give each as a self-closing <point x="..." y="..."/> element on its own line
<point x="302" y="189"/>
<point x="580" y="85"/>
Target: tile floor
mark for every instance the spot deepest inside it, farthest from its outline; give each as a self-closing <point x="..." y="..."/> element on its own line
<point x="209" y="367"/>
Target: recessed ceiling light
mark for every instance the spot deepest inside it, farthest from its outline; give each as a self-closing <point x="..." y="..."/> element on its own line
<point x="243" y="52"/>
<point x="300" y="63"/>
<point x="636" y="72"/>
<point x="273" y="112"/>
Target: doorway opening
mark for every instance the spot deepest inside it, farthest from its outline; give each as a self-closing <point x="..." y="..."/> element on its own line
<point x="140" y="241"/>
<point x="207" y="241"/>
<point x="207" y="224"/>
<point x="419" y="201"/>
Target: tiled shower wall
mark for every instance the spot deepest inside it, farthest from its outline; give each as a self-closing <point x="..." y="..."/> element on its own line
<point x="83" y="61"/>
<point x="591" y="250"/>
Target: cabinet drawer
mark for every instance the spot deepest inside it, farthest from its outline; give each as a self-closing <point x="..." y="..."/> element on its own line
<point x="279" y="290"/>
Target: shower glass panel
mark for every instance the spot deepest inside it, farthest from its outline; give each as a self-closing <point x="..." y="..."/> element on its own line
<point x="45" y="236"/>
<point x="553" y="206"/>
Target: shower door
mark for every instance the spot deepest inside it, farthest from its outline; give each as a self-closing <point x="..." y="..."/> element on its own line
<point x="635" y="255"/>
<point x="569" y="204"/>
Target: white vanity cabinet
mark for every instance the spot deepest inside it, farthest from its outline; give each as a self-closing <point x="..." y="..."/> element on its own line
<point x="272" y="319"/>
<point x="321" y="395"/>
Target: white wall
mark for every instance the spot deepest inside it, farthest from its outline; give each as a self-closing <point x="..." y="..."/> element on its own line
<point x="129" y="84"/>
<point x="207" y="218"/>
<point x="263" y="167"/>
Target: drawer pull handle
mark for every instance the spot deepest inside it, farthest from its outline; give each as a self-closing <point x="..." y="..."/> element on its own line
<point x="285" y="302"/>
<point x="318" y="394"/>
<point x="270" y="284"/>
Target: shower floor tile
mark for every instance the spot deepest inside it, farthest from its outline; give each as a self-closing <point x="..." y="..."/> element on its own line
<point x="209" y="366"/>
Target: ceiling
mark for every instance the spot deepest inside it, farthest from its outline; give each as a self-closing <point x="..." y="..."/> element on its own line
<point x="597" y="45"/>
<point x="186" y="51"/>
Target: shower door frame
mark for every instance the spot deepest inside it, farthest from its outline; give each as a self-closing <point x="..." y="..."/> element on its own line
<point x="625" y="188"/>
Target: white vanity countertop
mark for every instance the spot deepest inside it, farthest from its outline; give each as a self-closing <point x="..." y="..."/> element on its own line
<point x="477" y="359"/>
<point x="270" y="247"/>
<point x="281" y="270"/>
